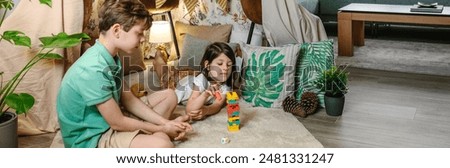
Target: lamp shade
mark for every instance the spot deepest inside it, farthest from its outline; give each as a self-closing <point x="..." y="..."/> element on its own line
<point x="160" y="32"/>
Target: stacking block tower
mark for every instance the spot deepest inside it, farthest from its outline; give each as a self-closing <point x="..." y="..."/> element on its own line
<point x="233" y="112"/>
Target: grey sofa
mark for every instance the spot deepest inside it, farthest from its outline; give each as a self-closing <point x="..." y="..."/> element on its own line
<point x="328" y="8"/>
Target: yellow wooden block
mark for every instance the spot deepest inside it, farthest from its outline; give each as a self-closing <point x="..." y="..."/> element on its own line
<point x="233" y="128"/>
<point x="232" y="96"/>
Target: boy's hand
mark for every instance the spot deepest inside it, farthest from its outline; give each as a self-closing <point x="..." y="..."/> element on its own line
<point x="176" y="129"/>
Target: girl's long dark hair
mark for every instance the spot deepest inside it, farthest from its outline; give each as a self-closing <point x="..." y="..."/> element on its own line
<point x="212" y="52"/>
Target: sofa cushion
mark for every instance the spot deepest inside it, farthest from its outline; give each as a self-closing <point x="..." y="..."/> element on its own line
<point x="314" y="58"/>
<point x="311" y="5"/>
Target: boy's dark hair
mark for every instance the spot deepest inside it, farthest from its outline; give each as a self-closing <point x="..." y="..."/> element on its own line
<point x="124" y="12"/>
<point x="212" y="52"/>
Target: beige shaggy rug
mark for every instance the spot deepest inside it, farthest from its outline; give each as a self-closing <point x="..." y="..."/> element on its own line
<point x="260" y="128"/>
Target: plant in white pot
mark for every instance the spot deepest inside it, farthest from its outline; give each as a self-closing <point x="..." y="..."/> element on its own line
<point x="334" y="83"/>
<point x="13" y="104"/>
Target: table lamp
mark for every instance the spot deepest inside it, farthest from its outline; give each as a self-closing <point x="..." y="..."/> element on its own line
<point x="160" y="34"/>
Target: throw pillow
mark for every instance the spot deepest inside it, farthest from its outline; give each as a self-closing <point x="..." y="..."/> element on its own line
<point x="219" y="33"/>
<point x="314" y="58"/>
<point x="268" y="74"/>
<point x="192" y="53"/>
<point x="133" y="62"/>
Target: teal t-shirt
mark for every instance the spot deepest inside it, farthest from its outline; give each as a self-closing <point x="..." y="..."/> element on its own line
<point x="94" y="78"/>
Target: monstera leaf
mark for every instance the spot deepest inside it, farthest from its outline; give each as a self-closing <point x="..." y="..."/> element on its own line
<point x="315" y="58"/>
<point x="262" y="77"/>
<point x="22" y="102"/>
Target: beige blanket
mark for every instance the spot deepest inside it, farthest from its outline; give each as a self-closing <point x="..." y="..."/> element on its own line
<point x="260" y="128"/>
<point x="43" y="80"/>
<point x="286" y="22"/>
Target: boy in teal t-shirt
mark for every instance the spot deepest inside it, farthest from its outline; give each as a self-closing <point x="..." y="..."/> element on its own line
<point x="92" y="90"/>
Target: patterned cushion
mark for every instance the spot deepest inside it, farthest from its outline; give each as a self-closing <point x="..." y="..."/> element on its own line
<point x="314" y="58"/>
<point x="268" y="74"/>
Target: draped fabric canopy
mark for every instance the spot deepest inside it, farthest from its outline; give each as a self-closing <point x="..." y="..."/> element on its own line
<point x="287" y="22"/>
<point x="43" y="80"/>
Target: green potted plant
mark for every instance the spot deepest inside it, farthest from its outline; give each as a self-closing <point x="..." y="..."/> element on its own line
<point x="334" y="83"/>
<point x="13" y="104"/>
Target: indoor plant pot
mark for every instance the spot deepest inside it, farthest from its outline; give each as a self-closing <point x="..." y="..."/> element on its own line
<point x="8" y="130"/>
<point x="334" y="105"/>
<point x="334" y="83"/>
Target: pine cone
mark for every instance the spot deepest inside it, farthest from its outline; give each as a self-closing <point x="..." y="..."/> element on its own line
<point x="309" y="101"/>
<point x="291" y="105"/>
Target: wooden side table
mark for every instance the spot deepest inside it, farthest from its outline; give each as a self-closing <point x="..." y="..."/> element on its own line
<point x="351" y="20"/>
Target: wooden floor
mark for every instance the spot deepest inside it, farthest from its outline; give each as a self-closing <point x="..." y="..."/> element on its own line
<point x="388" y="109"/>
<point x="36" y="141"/>
<point x="383" y="109"/>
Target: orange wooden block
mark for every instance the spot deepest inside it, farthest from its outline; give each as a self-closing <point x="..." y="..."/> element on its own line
<point x="218" y="96"/>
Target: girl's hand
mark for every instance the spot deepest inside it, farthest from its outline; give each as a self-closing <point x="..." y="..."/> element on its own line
<point x="196" y="114"/>
<point x="211" y="90"/>
<point x="214" y="90"/>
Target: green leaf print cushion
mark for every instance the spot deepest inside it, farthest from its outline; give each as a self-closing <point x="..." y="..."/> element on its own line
<point x="268" y="74"/>
<point x="314" y="58"/>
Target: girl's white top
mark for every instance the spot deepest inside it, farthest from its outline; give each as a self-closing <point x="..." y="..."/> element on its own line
<point x="185" y="86"/>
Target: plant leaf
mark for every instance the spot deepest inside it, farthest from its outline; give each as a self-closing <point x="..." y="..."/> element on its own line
<point x="50" y="56"/>
<point x="62" y="40"/>
<point x="46" y="2"/>
<point x="6" y="4"/>
<point x="21" y="102"/>
<point x="82" y="36"/>
<point x="17" y="38"/>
